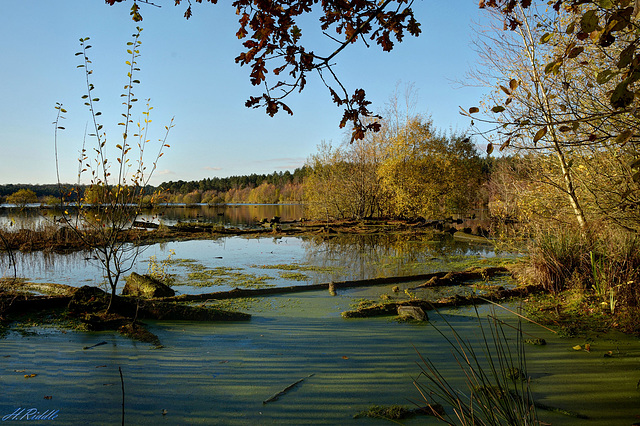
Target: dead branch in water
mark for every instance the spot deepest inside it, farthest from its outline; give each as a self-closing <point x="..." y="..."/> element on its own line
<point x="285" y="390"/>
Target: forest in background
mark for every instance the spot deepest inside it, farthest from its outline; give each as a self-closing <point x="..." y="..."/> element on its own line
<point x="277" y="187"/>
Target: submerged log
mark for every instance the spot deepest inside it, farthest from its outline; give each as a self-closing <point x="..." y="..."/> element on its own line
<point x="285" y="390"/>
<point x="23" y="303"/>
<point x="472" y="273"/>
<point x="386" y="309"/>
<point x="92" y="299"/>
<point x="456" y="278"/>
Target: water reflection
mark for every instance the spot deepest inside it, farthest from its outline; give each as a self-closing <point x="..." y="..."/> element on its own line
<point x="238" y="261"/>
<point x="75" y="269"/>
<point x="222" y="264"/>
<point x="370" y="256"/>
<point x="234" y="215"/>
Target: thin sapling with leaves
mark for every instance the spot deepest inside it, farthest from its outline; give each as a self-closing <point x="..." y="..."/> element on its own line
<point x="102" y="213"/>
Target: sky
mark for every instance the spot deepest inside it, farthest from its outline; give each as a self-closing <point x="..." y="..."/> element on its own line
<point x="189" y="73"/>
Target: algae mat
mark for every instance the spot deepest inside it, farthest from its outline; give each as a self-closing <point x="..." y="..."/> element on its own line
<point x="221" y="373"/>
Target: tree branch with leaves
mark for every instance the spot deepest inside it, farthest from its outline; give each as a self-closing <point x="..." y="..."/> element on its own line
<point x="272" y="43"/>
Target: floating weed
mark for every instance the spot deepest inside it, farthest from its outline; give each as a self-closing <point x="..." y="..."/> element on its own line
<point x="242" y="304"/>
<point x="174" y="261"/>
<point x="194" y="266"/>
<point x="252" y="281"/>
<point x="362" y="303"/>
<point x="295" y="276"/>
<point x="226" y="276"/>
<point x="255" y="304"/>
<point x="282" y="266"/>
<point x="205" y="274"/>
<point x="207" y="282"/>
<point x="298" y="267"/>
<point x="179" y="261"/>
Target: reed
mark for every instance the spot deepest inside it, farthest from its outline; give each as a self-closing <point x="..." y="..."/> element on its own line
<point x="497" y="387"/>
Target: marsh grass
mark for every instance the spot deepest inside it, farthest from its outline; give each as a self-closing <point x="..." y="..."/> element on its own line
<point x="572" y="313"/>
<point x="392" y="412"/>
<point x="29" y="235"/>
<point x="602" y="263"/>
<point x="497" y="387"/>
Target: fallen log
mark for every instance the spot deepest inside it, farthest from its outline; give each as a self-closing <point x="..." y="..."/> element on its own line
<point x="91" y="299"/>
<point x="23" y="303"/>
<point x="387" y="309"/>
<point x="472" y="273"/>
<point x="456" y="278"/>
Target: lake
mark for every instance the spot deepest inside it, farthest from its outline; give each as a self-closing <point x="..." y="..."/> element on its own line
<point x="221" y="373"/>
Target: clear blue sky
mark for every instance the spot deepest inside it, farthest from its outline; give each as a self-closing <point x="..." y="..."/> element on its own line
<point x="188" y="71"/>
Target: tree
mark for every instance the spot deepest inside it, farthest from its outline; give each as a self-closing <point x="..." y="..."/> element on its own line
<point x="22" y="197"/>
<point x="599" y="23"/>
<point x="558" y="104"/>
<point x="343" y="182"/>
<point x="428" y="174"/>
<point x="407" y="170"/>
<point x="266" y="193"/>
<point x="102" y="219"/>
<point x="272" y="36"/>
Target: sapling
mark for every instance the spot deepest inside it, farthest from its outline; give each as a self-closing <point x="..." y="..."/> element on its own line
<point x="102" y="213"/>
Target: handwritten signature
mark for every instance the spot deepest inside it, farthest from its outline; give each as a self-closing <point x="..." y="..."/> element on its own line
<point x="31" y="414"/>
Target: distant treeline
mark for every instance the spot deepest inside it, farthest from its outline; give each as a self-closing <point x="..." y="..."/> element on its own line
<point x="278" y="187"/>
<point x="42" y="191"/>
<point x="278" y="179"/>
<point x="254" y="188"/>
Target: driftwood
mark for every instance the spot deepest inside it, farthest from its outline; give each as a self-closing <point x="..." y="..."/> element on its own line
<point x="94" y="346"/>
<point x="386" y="309"/>
<point x="163" y="308"/>
<point x="456" y="278"/>
<point x="285" y="390"/>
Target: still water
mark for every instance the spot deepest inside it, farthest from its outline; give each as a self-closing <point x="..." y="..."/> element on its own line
<point x="229" y="215"/>
<point x="221" y="373"/>
<point x="239" y="262"/>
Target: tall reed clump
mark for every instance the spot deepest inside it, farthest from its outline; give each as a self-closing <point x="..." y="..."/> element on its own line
<point x="615" y="274"/>
<point x="495" y="375"/>
<point x="603" y="263"/>
<point x="555" y="256"/>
